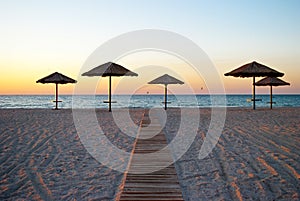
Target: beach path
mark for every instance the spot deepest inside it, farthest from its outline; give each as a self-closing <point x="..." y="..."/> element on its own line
<point x="151" y="174"/>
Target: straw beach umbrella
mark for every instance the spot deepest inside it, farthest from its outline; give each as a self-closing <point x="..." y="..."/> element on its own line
<point x="109" y="69"/>
<point x="165" y="80"/>
<point x="271" y="81"/>
<point x="254" y="69"/>
<point x="56" y="78"/>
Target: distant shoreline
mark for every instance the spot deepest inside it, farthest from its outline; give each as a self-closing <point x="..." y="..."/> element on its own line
<point x="140" y="108"/>
<point x="147" y="101"/>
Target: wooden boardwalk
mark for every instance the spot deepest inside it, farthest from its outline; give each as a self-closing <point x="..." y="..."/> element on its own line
<point x="141" y="182"/>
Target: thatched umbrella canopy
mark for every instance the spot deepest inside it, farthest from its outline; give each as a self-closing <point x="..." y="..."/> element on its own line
<point x="165" y="80"/>
<point x="271" y="81"/>
<point x="254" y="69"/>
<point x="109" y="69"/>
<point x="56" y="78"/>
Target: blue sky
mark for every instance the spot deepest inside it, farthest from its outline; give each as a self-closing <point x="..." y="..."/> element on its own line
<point x="47" y="36"/>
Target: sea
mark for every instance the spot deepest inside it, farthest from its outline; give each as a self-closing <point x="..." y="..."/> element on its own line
<point x="146" y="101"/>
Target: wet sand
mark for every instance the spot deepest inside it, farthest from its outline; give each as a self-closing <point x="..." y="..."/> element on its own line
<point x="257" y="156"/>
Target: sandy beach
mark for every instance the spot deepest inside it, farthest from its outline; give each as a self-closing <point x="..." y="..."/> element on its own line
<point x="42" y="157"/>
<point x="257" y="156"/>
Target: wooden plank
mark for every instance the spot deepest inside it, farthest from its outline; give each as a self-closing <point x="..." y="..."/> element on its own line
<point x="159" y="185"/>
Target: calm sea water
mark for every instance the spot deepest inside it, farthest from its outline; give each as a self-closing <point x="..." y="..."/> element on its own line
<point x="145" y="101"/>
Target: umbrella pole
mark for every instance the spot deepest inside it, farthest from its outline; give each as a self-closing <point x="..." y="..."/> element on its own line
<point x="271" y="97"/>
<point x="56" y="95"/>
<point x="253" y="95"/>
<point x="166" y="94"/>
<point x="109" y="94"/>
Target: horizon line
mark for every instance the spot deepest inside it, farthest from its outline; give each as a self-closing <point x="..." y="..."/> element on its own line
<point x="155" y="94"/>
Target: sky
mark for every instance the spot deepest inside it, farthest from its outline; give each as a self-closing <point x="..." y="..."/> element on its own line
<point x="42" y="37"/>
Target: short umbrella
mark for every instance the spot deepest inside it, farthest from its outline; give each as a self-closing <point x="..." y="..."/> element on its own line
<point x="109" y="69"/>
<point x="56" y="78"/>
<point x="271" y="81"/>
<point x="165" y="80"/>
<point x="254" y="69"/>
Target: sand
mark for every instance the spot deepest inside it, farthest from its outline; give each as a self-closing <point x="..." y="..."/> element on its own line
<point x="257" y="156"/>
<point x="42" y="157"/>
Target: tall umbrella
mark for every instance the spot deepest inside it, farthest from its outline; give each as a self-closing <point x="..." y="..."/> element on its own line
<point x="271" y="81"/>
<point x="254" y="69"/>
<point x="56" y="78"/>
<point x="109" y="69"/>
<point x="165" y="80"/>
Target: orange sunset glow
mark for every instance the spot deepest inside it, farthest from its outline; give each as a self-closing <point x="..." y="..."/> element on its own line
<point x="50" y="43"/>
